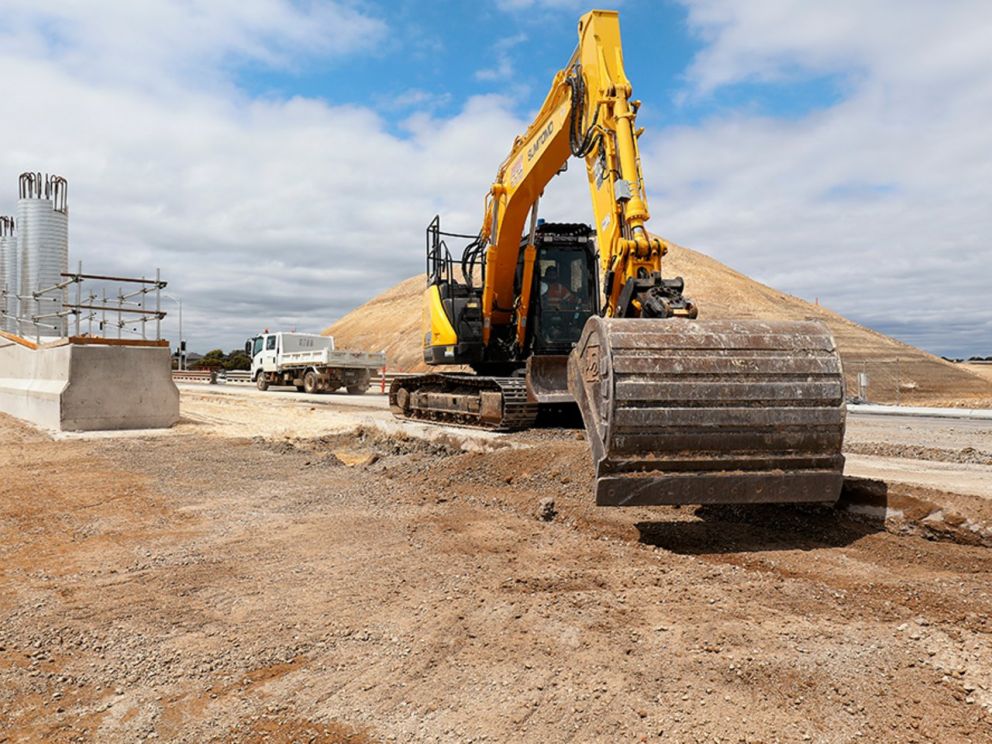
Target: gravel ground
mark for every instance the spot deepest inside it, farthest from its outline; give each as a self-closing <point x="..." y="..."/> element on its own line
<point x="360" y="586"/>
<point x="965" y="455"/>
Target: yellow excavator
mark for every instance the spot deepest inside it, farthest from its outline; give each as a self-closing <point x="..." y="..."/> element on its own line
<point x="677" y="410"/>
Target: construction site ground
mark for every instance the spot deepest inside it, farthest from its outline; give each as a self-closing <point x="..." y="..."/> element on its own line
<point x="282" y="567"/>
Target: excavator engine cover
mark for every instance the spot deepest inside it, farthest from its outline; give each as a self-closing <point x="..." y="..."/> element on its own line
<point x="710" y="412"/>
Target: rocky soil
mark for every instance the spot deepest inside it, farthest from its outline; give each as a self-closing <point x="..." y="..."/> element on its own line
<point x="965" y="455"/>
<point x="360" y="587"/>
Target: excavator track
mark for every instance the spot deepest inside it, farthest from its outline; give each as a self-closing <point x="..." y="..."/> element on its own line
<point x="702" y="412"/>
<point x="494" y="403"/>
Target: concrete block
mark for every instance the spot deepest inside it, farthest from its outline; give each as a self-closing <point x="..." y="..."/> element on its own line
<point x="86" y="387"/>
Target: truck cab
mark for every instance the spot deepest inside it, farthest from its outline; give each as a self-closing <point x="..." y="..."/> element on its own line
<point x="264" y="353"/>
<point x="309" y="362"/>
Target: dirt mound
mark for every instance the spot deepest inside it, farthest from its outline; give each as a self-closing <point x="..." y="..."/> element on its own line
<point x="982" y="370"/>
<point x="896" y="371"/>
<point x="390" y="322"/>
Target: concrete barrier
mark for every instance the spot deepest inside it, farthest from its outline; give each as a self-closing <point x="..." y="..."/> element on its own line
<point x="84" y="385"/>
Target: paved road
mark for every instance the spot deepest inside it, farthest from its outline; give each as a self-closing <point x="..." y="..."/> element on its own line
<point x="925" y="432"/>
<point x="241" y="410"/>
<point x="921" y="431"/>
<point x="373" y="399"/>
<point x="975" y="480"/>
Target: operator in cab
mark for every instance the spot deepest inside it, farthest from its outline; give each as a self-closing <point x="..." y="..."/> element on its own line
<point x="553" y="292"/>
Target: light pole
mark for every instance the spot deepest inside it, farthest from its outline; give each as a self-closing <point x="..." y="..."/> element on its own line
<point x="181" y="351"/>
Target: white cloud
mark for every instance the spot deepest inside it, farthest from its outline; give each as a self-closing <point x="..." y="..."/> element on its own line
<point x="124" y="41"/>
<point x="906" y="41"/>
<point x="290" y="212"/>
<point x="877" y="204"/>
<point x="267" y="212"/>
<point x="414" y="98"/>
<point x="502" y="52"/>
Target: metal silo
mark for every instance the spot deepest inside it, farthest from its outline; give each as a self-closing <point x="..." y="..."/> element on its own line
<point x="8" y="275"/>
<point x="43" y="250"/>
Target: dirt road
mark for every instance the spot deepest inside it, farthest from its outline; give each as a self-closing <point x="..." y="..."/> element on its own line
<point x="339" y="586"/>
<point x="919" y="451"/>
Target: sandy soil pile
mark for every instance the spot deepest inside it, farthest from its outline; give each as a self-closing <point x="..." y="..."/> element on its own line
<point x="897" y="372"/>
<point x="391" y="322"/>
<point x="982" y="370"/>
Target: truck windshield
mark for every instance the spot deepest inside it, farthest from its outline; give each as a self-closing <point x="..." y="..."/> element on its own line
<point x="256" y="346"/>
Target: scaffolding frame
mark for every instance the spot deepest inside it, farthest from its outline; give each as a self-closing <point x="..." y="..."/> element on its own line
<point x="132" y="307"/>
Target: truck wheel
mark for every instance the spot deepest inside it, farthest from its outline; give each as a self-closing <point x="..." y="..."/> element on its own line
<point x="262" y="382"/>
<point x="310" y="382"/>
<point x="359" y="386"/>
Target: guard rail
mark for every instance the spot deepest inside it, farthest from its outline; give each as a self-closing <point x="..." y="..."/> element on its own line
<point x="380" y="382"/>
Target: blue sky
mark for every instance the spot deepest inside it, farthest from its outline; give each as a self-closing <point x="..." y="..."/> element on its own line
<point x="450" y="51"/>
<point x="278" y="159"/>
<point x="438" y="55"/>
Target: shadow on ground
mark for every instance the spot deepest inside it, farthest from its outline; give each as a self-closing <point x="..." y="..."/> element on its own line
<point x="747" y="528"/>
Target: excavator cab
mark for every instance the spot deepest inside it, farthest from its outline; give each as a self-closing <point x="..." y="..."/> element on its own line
<point x="564" y="287"/>
<point x="565" y="294"/>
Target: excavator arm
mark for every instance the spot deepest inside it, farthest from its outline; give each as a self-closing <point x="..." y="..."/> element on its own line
<point x="589" y="114"/>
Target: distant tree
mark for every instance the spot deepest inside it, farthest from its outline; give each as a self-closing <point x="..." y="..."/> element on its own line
<point x="237" y="359"/>
<point x="213" y="359"/>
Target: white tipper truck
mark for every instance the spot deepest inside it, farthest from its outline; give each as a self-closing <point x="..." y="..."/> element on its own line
<point x="310" y="363"/>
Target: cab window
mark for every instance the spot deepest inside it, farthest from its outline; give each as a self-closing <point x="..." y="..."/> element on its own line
<point x="256" y="346"/>
<point x="567" y="288"/>
<point x="270" y="343"/>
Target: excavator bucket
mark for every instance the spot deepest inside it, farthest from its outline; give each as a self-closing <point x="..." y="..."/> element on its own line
<point x="710" y="412"/>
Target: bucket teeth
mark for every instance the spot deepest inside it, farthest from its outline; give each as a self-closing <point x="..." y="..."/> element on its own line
<point x="702" y="412"/>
